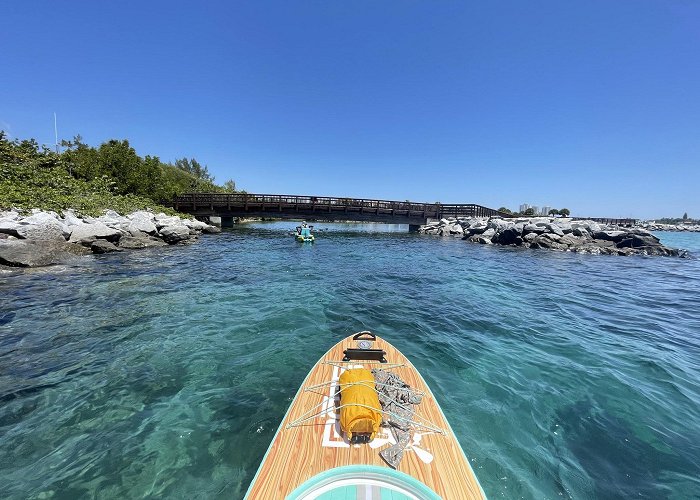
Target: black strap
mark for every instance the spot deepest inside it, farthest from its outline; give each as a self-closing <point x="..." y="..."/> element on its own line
<point x="366" y="354"/>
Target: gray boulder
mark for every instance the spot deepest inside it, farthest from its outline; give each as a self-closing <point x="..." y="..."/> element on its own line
<point x="195" y="224"/>
<point x="97" y="230"/>
<point x="38" y="253"/>
<point x="211" y="230"/>
<point x="603" y="243"/>
<point x="175" y="233"/>
<point x="104" y="246"/>
<point x="142" y="225"/>
<point x="110" y="217"/>
<point x="545" y="242"/>
<point x="140" y="221"/>
<point x="638" y="240"/>
<point x="132" y="242"/>
<point x="555" y="229"/>
<point x="71" y="219"/>
<point x="166" y="220"/>
<point x="609" y="235"/>
<point x="478" y="238"/>
<point x="49" y="231"/>
<point x="9" y="227"/>
<point x="498" y="224"/>
<point x="570" y="240"/>
<point x="508" y="236"/>
<point x="43" y="226"/>
<point x="10" y="215"/>
<point x="565" y="227"/>
<point x="550" y="236"/>
<point x="86" y="242"/>
<point x="533" y="228"/>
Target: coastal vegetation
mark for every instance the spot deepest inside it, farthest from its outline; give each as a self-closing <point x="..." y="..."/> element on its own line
<point x="677" y="220"/>
<point x="91" y="180"/>
<point x="530" y="212"/>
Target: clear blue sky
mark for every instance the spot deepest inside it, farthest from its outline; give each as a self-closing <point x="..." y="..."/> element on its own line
<point x="590" y="105"/>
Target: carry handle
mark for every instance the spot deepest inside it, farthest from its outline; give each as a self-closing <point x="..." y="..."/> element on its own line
<point x="358" y="336"/>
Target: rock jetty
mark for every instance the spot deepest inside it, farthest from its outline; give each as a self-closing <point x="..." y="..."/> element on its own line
<point x="46" y="238"/>
<point x="654" y="226"/>
<point x="582" y="236"/>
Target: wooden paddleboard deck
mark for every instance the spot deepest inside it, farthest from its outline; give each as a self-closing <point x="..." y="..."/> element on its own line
<point x="309" y="441"/>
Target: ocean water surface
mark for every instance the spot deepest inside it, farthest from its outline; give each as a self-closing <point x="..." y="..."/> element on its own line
<point x="164" y="373"/>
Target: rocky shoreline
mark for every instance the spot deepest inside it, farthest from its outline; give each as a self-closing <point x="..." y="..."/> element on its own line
<point x="46" y="238"/>
<point x="653" y="226"/>
<point x="581" y="236"/>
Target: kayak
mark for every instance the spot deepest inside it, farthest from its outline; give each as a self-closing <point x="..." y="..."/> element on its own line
<point x="306" y="239"/>
<point x="336" y="442"/>
<point x="304" y="234"/>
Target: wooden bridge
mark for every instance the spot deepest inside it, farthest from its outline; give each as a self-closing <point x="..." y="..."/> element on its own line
<point x="282" y="206"/>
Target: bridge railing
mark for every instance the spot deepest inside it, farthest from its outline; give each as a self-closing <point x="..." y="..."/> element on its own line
<point x="470" y="210"/>
<point x="248" y="199"/>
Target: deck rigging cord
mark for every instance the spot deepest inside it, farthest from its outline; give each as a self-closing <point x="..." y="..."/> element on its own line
<point x="309" y="415"/>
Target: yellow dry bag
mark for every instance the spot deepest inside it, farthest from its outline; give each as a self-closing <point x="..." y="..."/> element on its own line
<point x="360" y="410"/>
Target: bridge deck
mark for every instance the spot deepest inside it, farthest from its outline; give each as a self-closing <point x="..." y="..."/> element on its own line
<point x="323" y="207"/>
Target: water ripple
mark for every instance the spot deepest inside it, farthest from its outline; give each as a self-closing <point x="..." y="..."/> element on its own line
<point x="164" y="373"/>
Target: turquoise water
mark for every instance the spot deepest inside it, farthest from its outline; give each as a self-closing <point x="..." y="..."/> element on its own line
<point x="165" y="372"/>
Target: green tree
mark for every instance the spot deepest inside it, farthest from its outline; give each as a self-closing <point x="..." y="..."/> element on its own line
<point x="230" y="186"/>
<point x="554" y="212"/>
<point x="82" y="160"/>
<point x="195" y="168"/>
<point x="505" y="210"/>
<point x="119" y="160"/>
<point x="529" y="211"/>
<point x="150" y="177"/>
<point x="564" y="212"/>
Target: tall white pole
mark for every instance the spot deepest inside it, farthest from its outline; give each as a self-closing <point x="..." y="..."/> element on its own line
<point x="55" y="130"/>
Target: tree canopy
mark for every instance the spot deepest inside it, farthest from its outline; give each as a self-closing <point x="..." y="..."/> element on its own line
<point x="33" y="176"/>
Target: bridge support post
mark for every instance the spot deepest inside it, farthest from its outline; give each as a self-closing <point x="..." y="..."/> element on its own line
<point x="413" y="228"/>
<point x="226" y="221"/>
